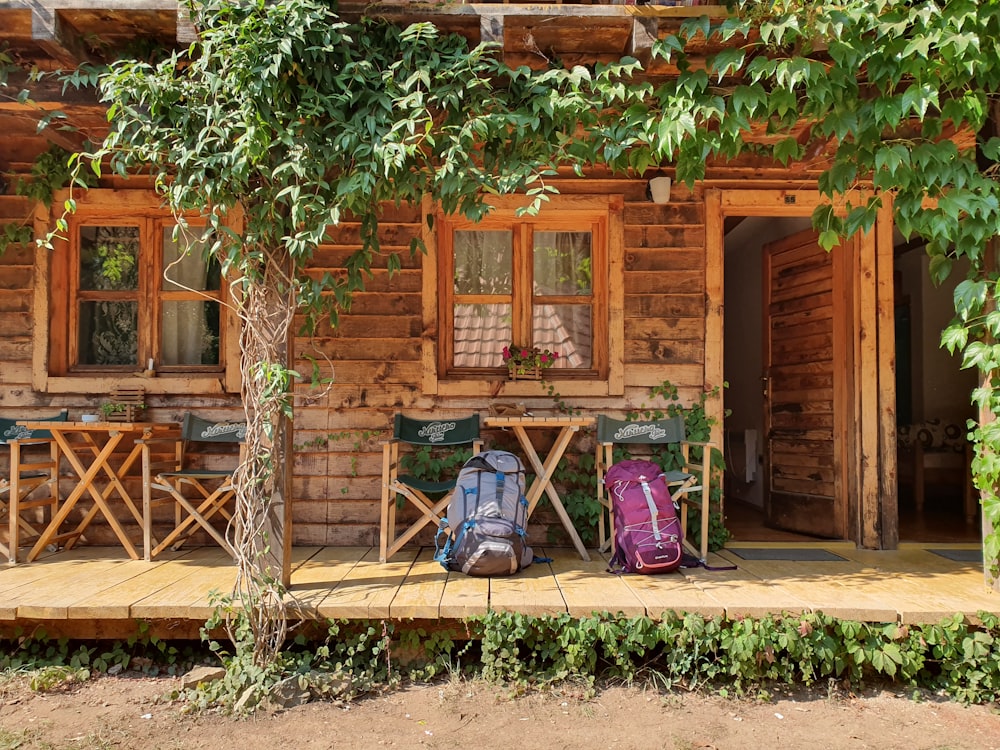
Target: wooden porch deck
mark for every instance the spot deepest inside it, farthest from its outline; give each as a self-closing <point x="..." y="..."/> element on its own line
<point x="97" y="592"/>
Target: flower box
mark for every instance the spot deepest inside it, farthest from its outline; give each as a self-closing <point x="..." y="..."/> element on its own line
<point x="527" y="363"/>
<point x="522" y="372"/>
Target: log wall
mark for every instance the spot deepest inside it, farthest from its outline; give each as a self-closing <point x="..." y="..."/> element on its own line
<point x="374" y="355"/>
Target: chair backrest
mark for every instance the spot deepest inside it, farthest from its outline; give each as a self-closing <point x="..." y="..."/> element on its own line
<point x="436" y="431"/>
<point x="196" y="429"/>
<point x="651" y="432"/>
<point x="11" y="430"/>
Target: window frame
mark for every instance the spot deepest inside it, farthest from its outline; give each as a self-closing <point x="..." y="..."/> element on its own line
<point x="561" y="212"/>
<point x="57" y="296"/>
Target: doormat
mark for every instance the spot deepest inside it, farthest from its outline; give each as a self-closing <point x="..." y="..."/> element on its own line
<point x="797" y="554"/>
<point x="960" y="555"/>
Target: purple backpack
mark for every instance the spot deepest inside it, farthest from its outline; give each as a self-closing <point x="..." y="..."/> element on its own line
<point x="647" y="530"/>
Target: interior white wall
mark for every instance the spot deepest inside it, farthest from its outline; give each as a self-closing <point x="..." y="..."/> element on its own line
<point x="941" y="390"/>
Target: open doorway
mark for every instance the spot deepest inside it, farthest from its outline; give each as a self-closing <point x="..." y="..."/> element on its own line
<point x="744" y="353"/>
<point x="935" y="503"/>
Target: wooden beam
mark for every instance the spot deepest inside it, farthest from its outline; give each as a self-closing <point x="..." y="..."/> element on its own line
<point x="644" y="32"/>
<point x="47" y="93"/>
<point x="59" y="42"/>
<point x="867" y="389"/>
<point x="71" y="140"/>
<point x="886" y="312"/>
<point x="491" y="28"/>
<point x="714" y="307"/>
<point x="187" y="34"/>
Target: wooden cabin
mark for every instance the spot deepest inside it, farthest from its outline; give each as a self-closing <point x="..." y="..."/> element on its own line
<point x="715" y="284"/>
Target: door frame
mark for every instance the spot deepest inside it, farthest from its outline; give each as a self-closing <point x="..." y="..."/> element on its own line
<point x="870" y="440"/>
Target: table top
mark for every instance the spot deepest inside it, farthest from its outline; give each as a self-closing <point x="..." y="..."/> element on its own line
<point x="103" y="426"/>
<point x="526" y="420"/>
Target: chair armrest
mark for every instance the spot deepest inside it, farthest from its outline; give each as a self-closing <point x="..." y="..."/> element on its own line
<point x="698" y="444"/>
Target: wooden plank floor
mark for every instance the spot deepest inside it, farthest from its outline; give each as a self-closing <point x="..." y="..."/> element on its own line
<point x="95" y="590"/>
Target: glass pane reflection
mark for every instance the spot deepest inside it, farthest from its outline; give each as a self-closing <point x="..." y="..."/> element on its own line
<point x="108" y="333"/>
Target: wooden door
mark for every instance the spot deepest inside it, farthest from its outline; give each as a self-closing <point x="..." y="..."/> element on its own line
<point x="806" y="364"/>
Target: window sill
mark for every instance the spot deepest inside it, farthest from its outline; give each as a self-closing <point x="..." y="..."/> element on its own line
<point x="168" y="384"/>
<point x="499" y="387"/>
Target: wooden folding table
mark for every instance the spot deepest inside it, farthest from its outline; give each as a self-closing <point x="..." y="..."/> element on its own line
<point x="544" y="471"/>
<point x="90" y="449"/>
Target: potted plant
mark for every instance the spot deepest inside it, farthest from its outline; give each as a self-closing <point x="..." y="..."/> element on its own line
<point x="527" y="362"/>
<point x="124" y="405"/>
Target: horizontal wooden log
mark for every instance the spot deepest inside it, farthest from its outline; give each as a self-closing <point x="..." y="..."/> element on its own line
<point x="15" y="324"/>
<point x="379" y="280"/>
<point x="16" y="278"/>
<point x="677" y="329"/>
<point x="15" y="350"/>
<point x="678" y="305"/>
<point x="682" y="376"/>
<point x="667" y="351"/>
<point x="660" y="236"/>
<point x="658" y="283"/>
<point x="365" y="349"/>
<point x="673" y="214"/>
<point x="16" y="373"/>
<point x="389" y="235"/>
<point x="644" y="259"/>
<point x="392" y="304"/>
<point x="356" y="326"/>
<point x="336" y="257"/>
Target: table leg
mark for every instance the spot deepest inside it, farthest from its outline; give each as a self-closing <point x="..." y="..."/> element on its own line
<point x="543" y="480"/>
<point x="87" y="476"/>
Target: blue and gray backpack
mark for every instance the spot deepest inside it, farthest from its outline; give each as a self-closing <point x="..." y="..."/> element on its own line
<point x="484" y="531"/>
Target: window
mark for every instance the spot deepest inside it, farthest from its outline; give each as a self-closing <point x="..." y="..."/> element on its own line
<point x="130" y="288"/>
<point x="539" y="281"/>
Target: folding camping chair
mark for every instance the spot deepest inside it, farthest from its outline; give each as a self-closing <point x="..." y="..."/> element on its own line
<point x="690" y="484"/>
<point x="33" y="481"/>
<point x="415" y="433"/>
<point x="182" y="480"/>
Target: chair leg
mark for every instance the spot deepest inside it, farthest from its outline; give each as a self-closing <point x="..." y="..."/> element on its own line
<point x="605" y="537"/>
<point x="387" y="523"/>
<point x="431" y="512"/>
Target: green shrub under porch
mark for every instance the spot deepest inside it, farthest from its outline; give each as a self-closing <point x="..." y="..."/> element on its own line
<point x="349" y="658"/>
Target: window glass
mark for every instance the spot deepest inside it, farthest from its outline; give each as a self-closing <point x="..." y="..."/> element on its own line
<point x="184" y="263"/>
<point x="566" y="330"/>
<point x="562" y="263"/>
<point x="481" y="333"/>
<point x="483" y="261"/>
<point x="108" y="333"/>
<point x="109" y="258"/>
<point x="526" y="280"/>
<point x="190" y="333"/>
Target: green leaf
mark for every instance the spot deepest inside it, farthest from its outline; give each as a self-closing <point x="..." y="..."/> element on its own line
<point x="969" y="297"/>
<point x="940" y="268"/>
<point x="729" y="60"/>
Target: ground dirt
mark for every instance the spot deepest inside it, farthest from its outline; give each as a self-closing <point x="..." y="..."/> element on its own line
<point x="134" y="712"/>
